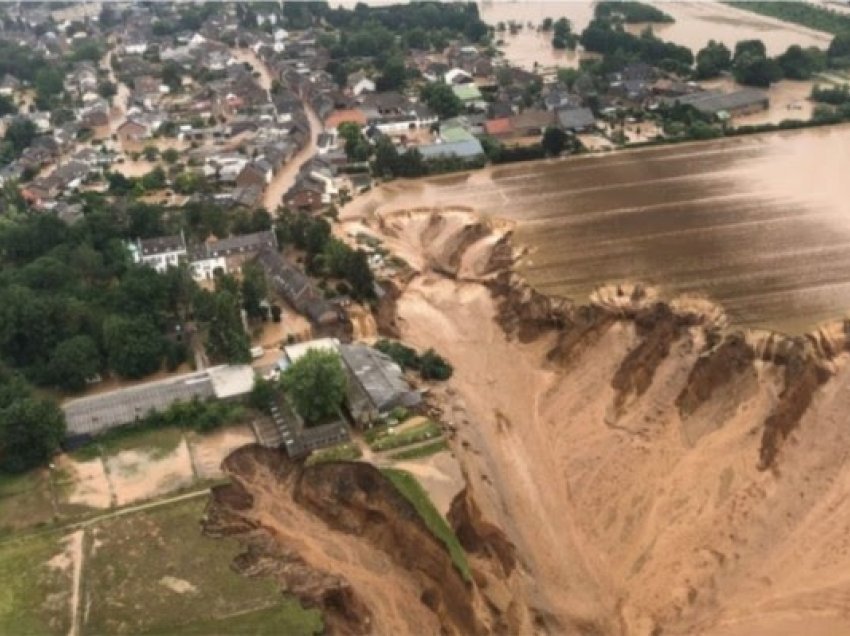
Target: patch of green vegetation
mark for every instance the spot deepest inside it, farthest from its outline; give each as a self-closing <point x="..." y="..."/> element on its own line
<point x="161" y="432"/>
<point x="407" y="485"/>
<point x="159" y="442"/>
<point x="288" y="618"/>
<point x="343" y="452"/>
<point x="34" y="597"/>
<point x="426" y="450"/>
<point x="418" y="433"/>
<point x="25" y="500"/>
<point x="154" y="572"/>
<point x="802" y="13"/>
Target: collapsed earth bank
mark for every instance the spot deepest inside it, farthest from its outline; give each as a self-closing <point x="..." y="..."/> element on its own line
<point x="633" y="466"/>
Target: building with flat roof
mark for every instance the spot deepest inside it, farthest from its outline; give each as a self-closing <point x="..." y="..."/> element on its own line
<point x="715" y="102"/>
<point x="99" y="413"/>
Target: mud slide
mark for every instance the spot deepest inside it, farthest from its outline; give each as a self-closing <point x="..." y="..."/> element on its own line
<point x="632" y="466"/>
<point x="341" y="538"/>
<point x="656" y="471"/>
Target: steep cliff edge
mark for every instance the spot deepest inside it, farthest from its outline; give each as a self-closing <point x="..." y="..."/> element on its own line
<point x="340" y="537"/>
<point x="622" y="444"/>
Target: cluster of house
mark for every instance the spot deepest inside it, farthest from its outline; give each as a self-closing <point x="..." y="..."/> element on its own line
<point x="227" y="256"/>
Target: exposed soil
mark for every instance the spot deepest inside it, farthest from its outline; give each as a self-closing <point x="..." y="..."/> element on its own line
<point x="341" y="538"/>
<point x="652" y="471"/>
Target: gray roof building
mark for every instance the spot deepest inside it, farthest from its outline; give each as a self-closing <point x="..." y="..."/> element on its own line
<point x="576" y="119"/>
<point x="378" y="384"/>
<point x="468" y="149"/>
<point x="714" y="101"/>
<point x="296" y="288"/>
<point x="99" y="413"/>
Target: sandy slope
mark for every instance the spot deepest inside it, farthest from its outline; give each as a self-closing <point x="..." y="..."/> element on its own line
<point x="633" y="523"/>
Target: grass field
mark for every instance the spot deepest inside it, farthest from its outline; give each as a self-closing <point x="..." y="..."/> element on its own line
<point x="158" y="441"/>
<point x="343" y="452"/>
<point x="153" y="572"/>
<point x="426" y="450"/>
<point x="416" y="495"/>
<point x="418" y="433"/>
<point x="25" y="501"/>
<point x="34" y="597"/>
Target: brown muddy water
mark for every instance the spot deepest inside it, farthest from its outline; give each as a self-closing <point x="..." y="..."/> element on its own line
<point x="760" y="224"/>
<point x="695" y="23"/>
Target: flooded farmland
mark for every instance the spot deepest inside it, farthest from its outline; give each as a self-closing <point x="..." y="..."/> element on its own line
<point x="695" y="23"/>
<point x="760" y="223"/>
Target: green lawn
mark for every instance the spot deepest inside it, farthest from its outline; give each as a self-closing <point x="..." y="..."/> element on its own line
<point x="416" y="495"/>
<point x="154" y="572"/>
<point x="157" y="441"/>
<point x="426" y="450"/>
<point x="25" y="500"/>
<point x="419" y="433"/>
<point x="343" y="452"/>
<point x="280" y="620"/>
<point x="34" y="597"/>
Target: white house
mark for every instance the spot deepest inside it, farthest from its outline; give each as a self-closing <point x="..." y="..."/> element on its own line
<point x="160" y="253"/>
<point x="360" y="83"/>
<point x="457" y="76"/>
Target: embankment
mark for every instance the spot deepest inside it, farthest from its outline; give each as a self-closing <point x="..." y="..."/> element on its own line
<point x="655" y="470"/>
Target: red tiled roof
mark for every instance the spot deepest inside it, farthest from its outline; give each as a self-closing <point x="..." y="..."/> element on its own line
<point x="338" y="116"/>
<point x="501" y="126"/>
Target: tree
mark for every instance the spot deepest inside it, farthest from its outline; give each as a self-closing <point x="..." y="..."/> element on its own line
<point x="563" y="38"/>
<point x="154" y="180"/>
<point x="756" y="71"/>
<point x="31" y="430"/>
<point x="839" y="47"/>
<point x="150" y="153"/>
<point x="253" y="289"/>
<point x="385" y="163"/>
<point x="170" y="155"/>
<point x="554" y="141"/>
<point x="755" y="48"/>
<point x="227" y="339"/>
<point x="432" y="366"/>
<point x="107" y="89"/>
<point x="712" y="59"/>
<point x="7" y="106"/>
<point x="134" y="346"/>
<point x="441" y="99"/>
<point x="315" y="385"/>
<point x="20" y="133"/>
<point x="393" y="75"/>
<point x="799" y="63"/>
<point x="49" y="83"/>
<point x="73" y="362"/>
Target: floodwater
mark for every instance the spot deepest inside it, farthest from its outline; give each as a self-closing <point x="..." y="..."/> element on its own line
<point x="695" y="23"/>
<point x="760" y="224"/>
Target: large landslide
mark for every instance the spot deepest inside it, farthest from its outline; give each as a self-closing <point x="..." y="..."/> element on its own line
<point x="341" y="538"/>
<point x="656" y="471"/>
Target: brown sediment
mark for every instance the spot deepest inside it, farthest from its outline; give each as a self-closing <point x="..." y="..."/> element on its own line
<point x="341" y="538"/>
<point x="667" y="521"/>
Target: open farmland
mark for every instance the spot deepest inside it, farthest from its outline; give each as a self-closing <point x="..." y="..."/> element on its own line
<point x="759" y="223"/>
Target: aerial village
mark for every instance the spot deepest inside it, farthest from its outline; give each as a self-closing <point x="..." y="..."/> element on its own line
<point x="171" y="178"/>
<point x="214" y="145"/>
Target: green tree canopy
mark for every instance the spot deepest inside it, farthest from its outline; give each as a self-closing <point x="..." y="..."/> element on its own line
<point x="134" y="347"/>
<point x="31" y="430"/>
<point x="554" y="141"/>
<point x="73" y="362"/>
<point x="441" y="99"/>
<point x="315" y="385"/>
<point x="712" y="59"/>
